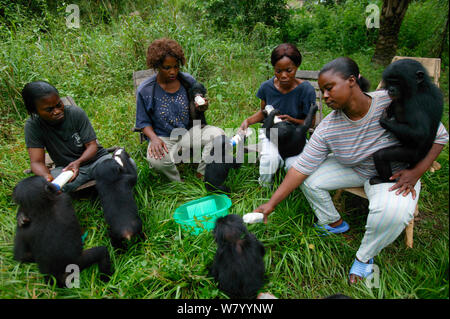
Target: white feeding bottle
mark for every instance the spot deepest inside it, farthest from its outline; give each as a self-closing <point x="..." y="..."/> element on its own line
<point x="62" y="179"/>
<point x="199" y="100"/>
<point x="240" y="136"/>
<point x="253" y="218"/>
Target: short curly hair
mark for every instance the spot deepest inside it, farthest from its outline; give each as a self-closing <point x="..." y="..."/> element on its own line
<point x="159" y="49"/>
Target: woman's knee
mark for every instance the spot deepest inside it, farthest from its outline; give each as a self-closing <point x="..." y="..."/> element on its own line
<point x="160" y="164"/>
<point x="391" y="213"/>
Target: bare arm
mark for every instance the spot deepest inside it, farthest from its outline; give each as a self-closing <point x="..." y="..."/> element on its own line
<point x="89" y="152"/>
<point x="37" y="163"/>
<point x="255" y="118"/>
<point x="408" y="178"/>
<point x="292" y="180"/>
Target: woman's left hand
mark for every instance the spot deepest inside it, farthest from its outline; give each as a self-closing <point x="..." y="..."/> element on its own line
<point x="75" y="167"/>
<point x="286" y="117"/>
<point x="407" y="179"/>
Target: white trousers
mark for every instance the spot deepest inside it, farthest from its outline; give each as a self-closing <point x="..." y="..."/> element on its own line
<point x="270" y="160"/>
<point x="388" y="215"/>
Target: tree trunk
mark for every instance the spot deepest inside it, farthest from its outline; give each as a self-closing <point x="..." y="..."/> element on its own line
<point x="443" y="41"/>
<point x="391" y="18"/>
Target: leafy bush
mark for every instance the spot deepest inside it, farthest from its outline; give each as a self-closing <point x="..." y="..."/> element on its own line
<point x="416" y="40"/>
<point x="245" y="14"/>
<point x="341" y="28"/>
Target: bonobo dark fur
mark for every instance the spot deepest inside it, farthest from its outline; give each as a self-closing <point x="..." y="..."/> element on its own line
<point x="291" y="137"/>
<point x="413" y="116"/>
<point x="52" y="235"/>
<point x="115" y="179"/>
<point x="238" y="265"/>
<point x="216" y="172"/>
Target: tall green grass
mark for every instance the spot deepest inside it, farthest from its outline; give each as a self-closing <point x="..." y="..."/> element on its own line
<point x="94" y="65"/>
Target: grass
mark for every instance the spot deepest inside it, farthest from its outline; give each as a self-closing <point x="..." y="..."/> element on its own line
<point x="94" y="65"/>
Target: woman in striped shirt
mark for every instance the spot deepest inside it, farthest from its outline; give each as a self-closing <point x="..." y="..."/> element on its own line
<point x="339" y="155"/>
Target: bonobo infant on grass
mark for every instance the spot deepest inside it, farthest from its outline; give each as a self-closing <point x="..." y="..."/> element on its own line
<point x="51" y="236"/>
<point x="115" y="180"/>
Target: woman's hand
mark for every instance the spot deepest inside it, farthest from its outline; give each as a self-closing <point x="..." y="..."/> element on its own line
<point x="407" y="179"/>
<point x="286" y="117"/>
<point x="74" y="167"/>
<point x="49" y="177"/>
<point x="158" y="148"/>
<point x="266" y="209"/>
<point x="244" y="125"/>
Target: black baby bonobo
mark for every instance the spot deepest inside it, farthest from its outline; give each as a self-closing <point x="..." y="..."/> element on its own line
<point x="51" y="237"/>
<point x="238" y="265"/>
<point x="115" y="179"/>
<point x="217" y="170"/>
<point x="413" y="116"/>
<point x="290" y="138"/>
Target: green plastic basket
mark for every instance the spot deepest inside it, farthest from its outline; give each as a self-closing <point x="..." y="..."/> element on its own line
<point x="201" y="214"/>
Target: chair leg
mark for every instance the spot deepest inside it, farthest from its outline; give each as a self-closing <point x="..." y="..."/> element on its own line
<point x="409" y="231"/>
<point x="337" y="195"/>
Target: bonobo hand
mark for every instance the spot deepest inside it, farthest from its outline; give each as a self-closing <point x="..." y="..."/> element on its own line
<point x="202" y="107"/>
<point x="386" y="121"/>
<point x="22" y="220"/>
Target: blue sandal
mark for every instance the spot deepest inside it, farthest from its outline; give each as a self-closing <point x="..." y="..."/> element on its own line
<point x="360" y="270"/>
<point x="327" y="229"/>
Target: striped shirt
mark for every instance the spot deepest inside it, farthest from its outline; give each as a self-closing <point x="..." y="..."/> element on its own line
<point x="354" y="142"/>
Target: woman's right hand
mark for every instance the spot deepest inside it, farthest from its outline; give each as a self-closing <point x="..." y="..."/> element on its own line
<point x="266" y="209"/>
<point x="244" y="126"/>
<point x="157" y="149"/>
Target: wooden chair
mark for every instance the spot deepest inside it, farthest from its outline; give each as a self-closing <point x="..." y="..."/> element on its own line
<point x="433" y="67"/>
<point x="312" y="77"/>
<point x="138" y="78"/>
<point x="68" y="100"/>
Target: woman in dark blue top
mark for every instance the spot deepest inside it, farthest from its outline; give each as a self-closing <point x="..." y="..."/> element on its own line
<point x="291" y="96"/>
<point x="167" y="114"/>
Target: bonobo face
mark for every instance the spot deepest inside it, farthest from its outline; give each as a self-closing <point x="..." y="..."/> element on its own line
<point x="51" y="109"/>
<point x="403" y="78"/>
<point x="393" y="88"/>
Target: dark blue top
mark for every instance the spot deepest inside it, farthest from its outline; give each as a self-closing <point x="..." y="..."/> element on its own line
<point x="162" y="110"/>
<point x="295" y="103"/>
<point x="171" y="110"/>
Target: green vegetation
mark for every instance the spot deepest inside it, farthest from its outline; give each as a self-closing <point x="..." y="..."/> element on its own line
<point x="94" y="65"/>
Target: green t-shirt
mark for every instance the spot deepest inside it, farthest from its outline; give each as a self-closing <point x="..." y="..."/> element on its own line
<point x="64" y="142"/>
